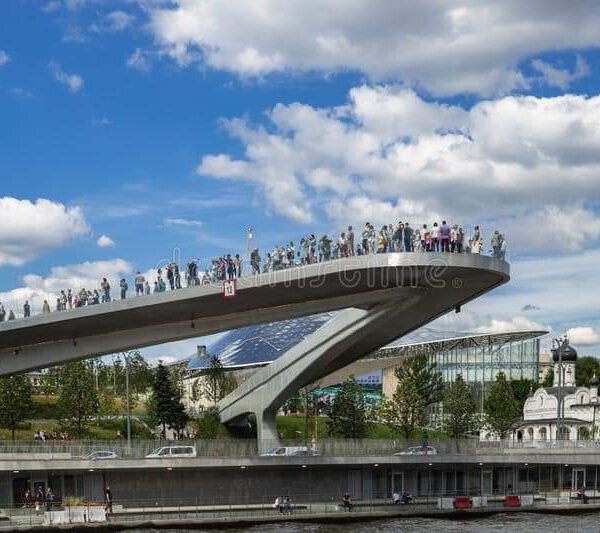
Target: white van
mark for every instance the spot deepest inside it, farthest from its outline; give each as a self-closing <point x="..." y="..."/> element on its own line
<point x="167" y="452"/>
<point x="290" y="451"/>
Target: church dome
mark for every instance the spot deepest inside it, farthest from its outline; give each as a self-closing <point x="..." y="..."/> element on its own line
<point x="595" y="381"/>
<point x="569" y="354"/>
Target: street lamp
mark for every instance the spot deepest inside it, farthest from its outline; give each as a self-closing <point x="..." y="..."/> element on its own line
<point x="127" y="402"/>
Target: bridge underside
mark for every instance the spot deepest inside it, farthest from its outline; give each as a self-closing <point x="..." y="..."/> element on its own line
<point x="434" y="283"/>
<point x="352" y="334"/>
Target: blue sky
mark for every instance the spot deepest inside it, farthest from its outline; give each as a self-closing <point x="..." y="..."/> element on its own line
<point x="163" y="124"/>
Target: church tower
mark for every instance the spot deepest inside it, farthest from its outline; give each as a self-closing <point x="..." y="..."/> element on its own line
<point x="569" y="358"/>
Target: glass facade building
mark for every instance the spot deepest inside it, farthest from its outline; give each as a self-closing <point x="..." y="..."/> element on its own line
<point x="478" y="358"/>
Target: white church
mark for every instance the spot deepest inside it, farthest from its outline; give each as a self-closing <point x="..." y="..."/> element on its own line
<point x="580" y="403"/>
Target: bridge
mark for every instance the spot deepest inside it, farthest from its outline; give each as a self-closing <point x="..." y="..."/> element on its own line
<point x="383" y="297"/>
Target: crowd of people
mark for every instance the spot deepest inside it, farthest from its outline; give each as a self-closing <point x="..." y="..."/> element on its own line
<point x="391" y="238"/>
<point x="40" y="500"/>
<point x="46" y="435"/>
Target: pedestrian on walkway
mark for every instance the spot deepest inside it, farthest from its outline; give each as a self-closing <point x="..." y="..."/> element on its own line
<point x="139" y="283"/>
<point x="123" y="286"/>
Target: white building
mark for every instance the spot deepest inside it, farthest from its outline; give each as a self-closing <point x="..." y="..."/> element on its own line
<point x="541" y="408"/>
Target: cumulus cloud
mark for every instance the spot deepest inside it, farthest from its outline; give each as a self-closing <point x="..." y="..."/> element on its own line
<point x="583" y="336"/>
<point x="104" y="241"/>
<point x="86" y="275"/>
<point x="31" y="228"/>
<point x="4" y="58"/>
<point x="445" y="46"/>
<point x="113" y="22"/>
<point x="561" y="78"/>
<point x="73" y="82"/>
<point x="388" y="154"/>
<point x="518" y="323"/>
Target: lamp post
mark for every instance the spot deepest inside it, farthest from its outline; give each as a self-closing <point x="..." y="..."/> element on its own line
<point x="559" y="415"/>
<point x="127" y="402"/>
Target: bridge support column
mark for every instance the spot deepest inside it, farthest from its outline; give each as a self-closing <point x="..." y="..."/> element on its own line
<point x="266" y="430"/>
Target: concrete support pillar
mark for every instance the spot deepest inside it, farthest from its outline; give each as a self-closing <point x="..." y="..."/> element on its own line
<point x="266" y="430"/>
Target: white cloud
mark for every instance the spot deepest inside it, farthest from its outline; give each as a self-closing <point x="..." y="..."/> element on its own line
<point x="573" y="227"/>
<point x="99" y="122"/>
<point x="583" y="336"/>
<point x="517" y="323"/>
<point x="140" y="60"/>
<point x="113" y="22"/>
<point x="31" y="228"/>
<point x="73" y="82"/>
<point x="561" y="78"/>
<point x="4" y="58"/>
<point x="104" y="241"/>
<point x="445" y="46"/>
<point x="184" y="222"/>
<point x="86" y="275"/>
<point x="387" y="154"/>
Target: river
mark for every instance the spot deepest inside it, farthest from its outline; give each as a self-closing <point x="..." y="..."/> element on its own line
<point x="517" y="522"/>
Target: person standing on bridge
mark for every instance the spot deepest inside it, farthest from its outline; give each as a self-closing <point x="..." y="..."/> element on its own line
<point x="350" y="240"/>
<point x="123" y="285"/>
<point x="26" y="309"/>
<point x="139" y="283"/>
<point x="105" y="287"/>
<point x="46" y="307"/>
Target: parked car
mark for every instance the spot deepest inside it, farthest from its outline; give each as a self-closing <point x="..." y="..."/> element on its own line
<point x="418" y="450"/>
<point x="100" y="455"/>
<point x="291" y="451"/>
<point x="172" y="451"/>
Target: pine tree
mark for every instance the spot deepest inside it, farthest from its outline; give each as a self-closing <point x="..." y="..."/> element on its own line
<point x="425" y="375"/>
<point x="78" y="398"/>
<point x="348" y="412"/>
<point x="15" y="401"/>
<point x="501" y="407"/>
<point x="404" y="413"/>
<point x="165" y="402"/>
<point x="459" y="409"/>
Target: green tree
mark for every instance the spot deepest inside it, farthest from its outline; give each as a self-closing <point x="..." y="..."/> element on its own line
<point x="49" y="384"/>
<point x="107" y="404"/>
<point x="459" y="409"/>
<point x="165" y="405"/>
<point x="209" y="424"/>
<point x="404" y="413"/>
<point x="15" y="401"/>
<point x="548" y="380"/>
<point x="140" y="374"/>
<point x="585" y="369"/>
<point x="501" y="407"/>
<point x="348" y="412"/>
<point x="214" y="383"/>
<point x="78" y="398"/>
<point x="425" y="375"/>
<point x="522" y="388"/>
